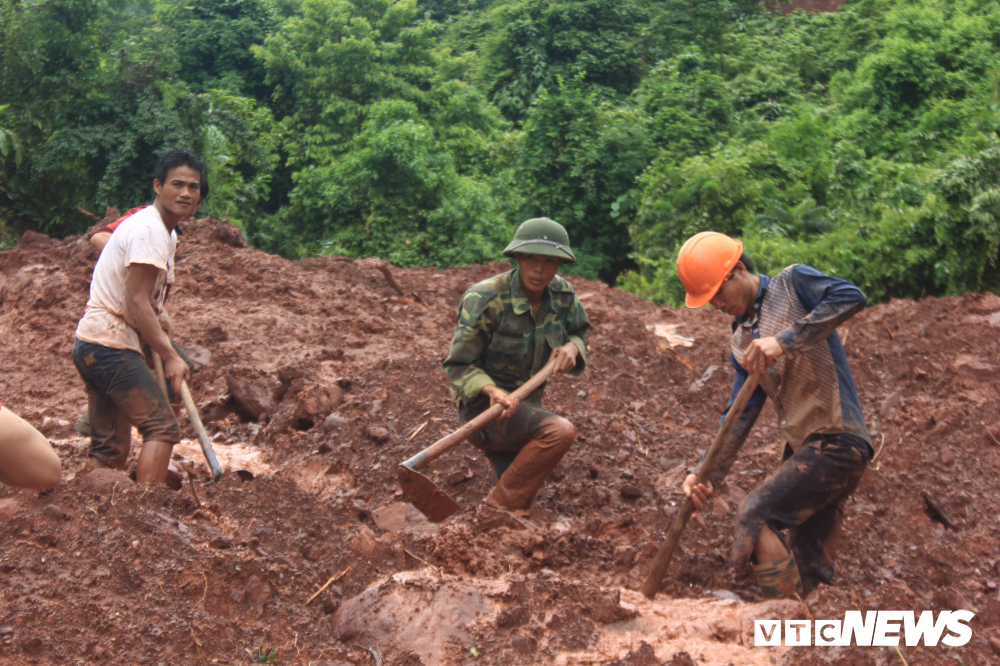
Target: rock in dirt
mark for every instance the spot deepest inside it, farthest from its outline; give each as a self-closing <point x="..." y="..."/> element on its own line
<point x="200" y="357"/>
<point x="365" y="543"/>
<point x="423" y="612"/>
<point x="8" y="507"/>
<point x="995" y="644"/>
<point x="402" y="517"/>
<point x="254" y="399"/>
<point x="333" y="421"/>
<point x="682" y="658"/>
<point x="644" y="655"/>
<point x="56" y="511"/>
<point x="976" y="366"/>
<point x="312" y="406"/>
<point x="257" y="593"/>
<point x="460" y="476"/>
<point x="631" y="491"/>
<point x="489" y="518"/>
<point x="221" y="542"/>
<point x="513" y="616"/>
<point x="31" y="643"/>
<point x="605" y="606"/>
<point x="524" y="644"/>
<point x="103" y="481"/>
<point x="377" y="434"/>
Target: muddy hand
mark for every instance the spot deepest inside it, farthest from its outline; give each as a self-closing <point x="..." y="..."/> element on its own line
<point x="176" y="371"/>
<point x="761" y="355"/>
<point x="699" y="494"/>
<point x="565" y="357"/>
<point x="499" y="397"/>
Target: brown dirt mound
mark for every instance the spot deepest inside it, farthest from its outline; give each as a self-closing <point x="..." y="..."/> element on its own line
<point x="330" y="370"/>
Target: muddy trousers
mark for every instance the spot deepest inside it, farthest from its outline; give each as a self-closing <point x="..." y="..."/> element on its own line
<point x="523" y="450"/>
<point x="83" y="423"/>
<point x="122" y="392"/>
<point x="805" y="496"/>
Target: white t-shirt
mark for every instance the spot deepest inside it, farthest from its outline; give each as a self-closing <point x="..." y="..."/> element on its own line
<point x="141" y="239"/>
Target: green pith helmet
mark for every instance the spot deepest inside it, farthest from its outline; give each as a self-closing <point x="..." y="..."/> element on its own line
<point x="541" y="236"/>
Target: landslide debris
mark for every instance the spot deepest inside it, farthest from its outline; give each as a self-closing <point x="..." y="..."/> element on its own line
<point x="321" y="375"/>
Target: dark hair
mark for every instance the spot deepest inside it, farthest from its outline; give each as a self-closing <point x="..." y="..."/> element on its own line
<point x="178" y="158"/>
<point x="203" y="188"/>
<point x="747" y="263"/>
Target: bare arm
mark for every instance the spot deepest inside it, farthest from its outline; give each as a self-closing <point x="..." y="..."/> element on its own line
<point x="140" y="315"/>
<point x="100" y="240"/>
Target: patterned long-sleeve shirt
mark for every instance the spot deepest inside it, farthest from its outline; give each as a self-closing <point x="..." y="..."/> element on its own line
<point x="500" y="341"/>
<point x="811" y="383"/>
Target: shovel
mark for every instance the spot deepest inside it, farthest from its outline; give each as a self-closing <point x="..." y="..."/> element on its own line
<point x="423" y="493"/>
<point x="662" y="560"/>
<point x="192" y="411"/>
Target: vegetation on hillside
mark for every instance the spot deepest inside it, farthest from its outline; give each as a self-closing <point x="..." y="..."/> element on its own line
<point x="862" y="142"/>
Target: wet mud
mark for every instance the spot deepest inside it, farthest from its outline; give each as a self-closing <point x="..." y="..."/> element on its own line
<point x="321" y="376"/>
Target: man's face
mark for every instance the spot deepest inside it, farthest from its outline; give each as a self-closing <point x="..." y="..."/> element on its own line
<point x="736" y="295"/>
<point x="537" y="272"/>
<point x="180" y="194"/>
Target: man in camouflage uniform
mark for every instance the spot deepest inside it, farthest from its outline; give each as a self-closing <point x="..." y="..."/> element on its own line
<point x="508" y="326"/>
<point x="784" y="329"/>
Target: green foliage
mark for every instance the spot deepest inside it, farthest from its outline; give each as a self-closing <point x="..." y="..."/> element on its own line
<point x="383" y="159"/>
<point x="579" y="159"/>
<point x="214" y="40"/>
<point x="265" y="657"/>
<point x="92" y="97"/>
<point x="527" y="45"/>
<point x="864" y="142"/>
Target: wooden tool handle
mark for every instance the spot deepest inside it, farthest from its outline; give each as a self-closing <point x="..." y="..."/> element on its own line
<point x="662" y="560"/>
<point x="206" y="443"/>
<point x="195" y="418"/>
<point x="446" y="443"/>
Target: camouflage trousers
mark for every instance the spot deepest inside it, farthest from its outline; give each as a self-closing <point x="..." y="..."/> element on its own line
<point x="805" y="496"/>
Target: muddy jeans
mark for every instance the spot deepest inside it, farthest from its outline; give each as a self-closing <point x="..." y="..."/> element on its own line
<point x="122" y="392"/>
<point x="806" y="496"/>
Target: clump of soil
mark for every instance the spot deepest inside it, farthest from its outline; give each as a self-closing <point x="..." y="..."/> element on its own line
<point x="328" y="372"/>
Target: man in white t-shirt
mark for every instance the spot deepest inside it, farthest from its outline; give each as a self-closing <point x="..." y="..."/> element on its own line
<point x="126" y="299"/>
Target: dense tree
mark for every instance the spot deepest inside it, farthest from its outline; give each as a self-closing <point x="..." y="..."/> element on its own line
<point x="526" y="46"/>
<point x="864" y="142"/>
<point x="384" y="158"/>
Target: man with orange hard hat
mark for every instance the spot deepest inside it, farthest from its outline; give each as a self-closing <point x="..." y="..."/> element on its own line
<point x="788" y="527"/>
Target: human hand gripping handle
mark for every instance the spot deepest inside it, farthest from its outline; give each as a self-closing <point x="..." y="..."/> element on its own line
<point x="761" y="355"/>
<point x="500" y="397"/>
<point x="563" y="359"/>
<point x="662" y="560"/>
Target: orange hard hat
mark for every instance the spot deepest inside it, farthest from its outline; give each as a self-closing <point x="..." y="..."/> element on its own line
<point x="703" y="264"/>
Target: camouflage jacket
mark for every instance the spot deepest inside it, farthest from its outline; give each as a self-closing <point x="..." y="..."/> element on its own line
<point x="499" y="341"/>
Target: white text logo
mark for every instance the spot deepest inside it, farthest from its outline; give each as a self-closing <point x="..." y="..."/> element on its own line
<point x="876" y="629"/>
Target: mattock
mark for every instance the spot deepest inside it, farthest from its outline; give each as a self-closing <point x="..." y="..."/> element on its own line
<point x="662" y="560"/>
<point x="423" y="493"/>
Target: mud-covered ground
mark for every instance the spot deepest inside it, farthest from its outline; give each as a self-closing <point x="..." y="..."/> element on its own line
<point x="328" y="371"/>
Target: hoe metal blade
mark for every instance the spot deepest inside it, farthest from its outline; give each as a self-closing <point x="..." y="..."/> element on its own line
<point x="424" y="494"/>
